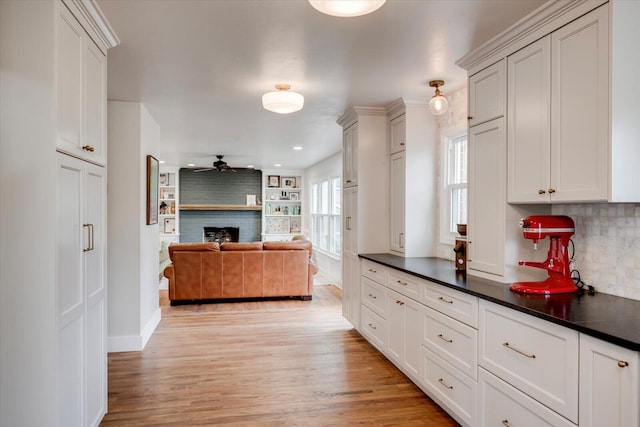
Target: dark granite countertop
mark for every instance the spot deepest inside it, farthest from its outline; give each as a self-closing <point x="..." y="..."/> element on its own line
<point x="610" y="318"/>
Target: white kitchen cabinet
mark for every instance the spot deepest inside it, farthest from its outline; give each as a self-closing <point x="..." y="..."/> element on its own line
<point x="374" y="328"/>
<point x="398" y="195"/>
<point x="609" y="384"/>
<point x="397" y="134"/>
<point x="500" y="404"/>
<point x="537" y="357"/>
<point x="81" y="290"/>
<point x="487" y="94"/>
<point x="350" y="156"/>
<point x="404" y="332"/>
<point x="412" y="178"/>
<point x="558" y="115"/>
<point x="486" y="218"/>
<point x="350" y="261"/>
<point x="81" y="96"/>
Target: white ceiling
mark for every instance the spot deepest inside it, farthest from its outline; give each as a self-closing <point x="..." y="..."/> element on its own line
<point x="201" y="67"/>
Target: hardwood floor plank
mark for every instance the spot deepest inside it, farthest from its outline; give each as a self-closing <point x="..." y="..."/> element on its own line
<point x="267" y="363"/>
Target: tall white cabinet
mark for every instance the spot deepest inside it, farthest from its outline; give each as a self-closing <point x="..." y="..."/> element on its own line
<point x="52" y="298"/>
<point x="81" y="291"/>
<point x="365" y="201"/>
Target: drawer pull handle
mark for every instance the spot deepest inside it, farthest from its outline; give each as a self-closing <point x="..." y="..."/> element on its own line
<point x="623" y="364"/>
<point x="402" y="283"/>
<point x="441" y="381"/>
<point x="399" y="302"/>
<point x="443" y="338"/>
<point x="88" y="148"/>
<point x="445" y="300"/>
<point x="506" y="423"/>
<point x="372" y="327"/>
<point x="530" y="356"/>
<point x="372" y="296"/>
<point x="372" y="270"/>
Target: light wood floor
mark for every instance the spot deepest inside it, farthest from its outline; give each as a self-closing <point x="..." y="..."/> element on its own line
<point x="273" y="363"/>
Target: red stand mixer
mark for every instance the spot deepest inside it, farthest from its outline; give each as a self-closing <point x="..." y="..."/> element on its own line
<point x="559" y="229"/>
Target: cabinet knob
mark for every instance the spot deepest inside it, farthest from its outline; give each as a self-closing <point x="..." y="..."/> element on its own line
<point x="541" y="191"/>
<point x="469" y="118"/>
<point x="402" y="144"/>
<point x="551" y="190"/>
<point x="88" y="148"/>
<point x="348" y="181"/>
<point x="623" y="364"/>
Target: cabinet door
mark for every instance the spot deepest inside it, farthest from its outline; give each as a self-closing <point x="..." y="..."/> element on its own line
<point x="96" y="304"/>
<point x="95" y="103"/>
<point x="487" y="158"/>
<point x="350" y="156"/>
<point x="486" y="94"/>
<point x="609" y="384"/>
<point x="580" y="109"/>
<point x="69" y="45"/>
<point x="398" y="134"/>
<point x="529" y="135"/>
<point x="395" y="324"/>
<point x="398" y="172"/>
<point x="413" y="332"/>
<point x="350" y="261"/>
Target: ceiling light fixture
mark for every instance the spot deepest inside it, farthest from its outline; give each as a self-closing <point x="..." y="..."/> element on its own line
<point x="297" y="147"/>
<point x="347" y="8"/>
<point x="438" y="104"/>
<point x="282" y="101"/>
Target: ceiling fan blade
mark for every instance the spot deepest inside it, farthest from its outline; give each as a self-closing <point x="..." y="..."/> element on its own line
<point x="202" y="170"/>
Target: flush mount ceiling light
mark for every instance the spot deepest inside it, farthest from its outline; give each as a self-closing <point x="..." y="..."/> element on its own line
<point x="282" y="101"/>
<point x="438" y="104"/>
<point x="346" y="8"/>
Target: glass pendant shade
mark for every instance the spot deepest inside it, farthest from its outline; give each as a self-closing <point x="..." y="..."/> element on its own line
<point x="282" y="101"/>
<point x="347" y="8"/>
<point x="438" y="105"/>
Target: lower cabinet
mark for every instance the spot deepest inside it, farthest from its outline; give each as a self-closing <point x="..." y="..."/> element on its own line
<point x="609" y="383"/>
<point x="404" y="332"/>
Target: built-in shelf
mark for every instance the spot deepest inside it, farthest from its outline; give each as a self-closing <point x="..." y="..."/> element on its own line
<point x="219" y="208"/>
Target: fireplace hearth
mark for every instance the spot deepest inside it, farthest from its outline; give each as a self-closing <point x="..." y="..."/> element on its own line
<point x="221" y="234"/>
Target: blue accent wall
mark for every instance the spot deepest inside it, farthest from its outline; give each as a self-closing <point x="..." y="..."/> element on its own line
<point x="219" y="188"/>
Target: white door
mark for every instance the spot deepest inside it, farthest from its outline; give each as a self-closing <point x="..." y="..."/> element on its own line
<point x="487" y="164"/>
<point x="398" y="172"/>
<point x="528" y="125"/>
<point x="580" y="109"/>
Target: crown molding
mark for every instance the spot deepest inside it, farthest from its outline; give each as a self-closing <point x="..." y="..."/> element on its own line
<point x="352" y="114"/>
<point x="537" y="24"/>
<point x="94" y="22"/>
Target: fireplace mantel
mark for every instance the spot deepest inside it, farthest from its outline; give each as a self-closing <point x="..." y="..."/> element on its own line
<point x="219" y="208"/>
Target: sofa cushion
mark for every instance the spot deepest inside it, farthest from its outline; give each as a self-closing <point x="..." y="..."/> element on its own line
<point x="193" y="247"/>
<point x="295" y="245"/>
<point x="241" y="246"/>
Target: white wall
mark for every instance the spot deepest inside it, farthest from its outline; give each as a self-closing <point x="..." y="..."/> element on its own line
<point x="328" y="266"/>
<point x="28" y="356"/>
<point x="133" y="246"/>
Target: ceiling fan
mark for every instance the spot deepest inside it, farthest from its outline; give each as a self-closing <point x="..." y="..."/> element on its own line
<point x="219" y="165"/>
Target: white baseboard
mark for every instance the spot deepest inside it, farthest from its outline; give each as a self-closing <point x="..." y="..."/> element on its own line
<point x="118" y="344"/>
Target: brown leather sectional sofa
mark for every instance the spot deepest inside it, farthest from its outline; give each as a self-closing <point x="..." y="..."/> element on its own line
<point x="209" y="271"/>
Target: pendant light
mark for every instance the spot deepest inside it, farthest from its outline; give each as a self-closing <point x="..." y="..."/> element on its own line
<point x="347" y="8"/>
<point x="282" y="101"/>
<point x="438" y="104"/>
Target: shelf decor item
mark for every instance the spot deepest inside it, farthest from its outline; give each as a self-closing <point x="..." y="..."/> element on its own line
<point x="273" y="181"/>
<point x="169" y="225"/>
<point x="294" y="195"/>
<point x="251" y="200"/>
<point x="164" y="179"/>
<point x="277" y="225"/>
<point x="288" y="182"/>
<point x="152" y="190"/>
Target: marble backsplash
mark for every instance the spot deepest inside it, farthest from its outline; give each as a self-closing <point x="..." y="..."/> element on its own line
<point x="607" y="246"/>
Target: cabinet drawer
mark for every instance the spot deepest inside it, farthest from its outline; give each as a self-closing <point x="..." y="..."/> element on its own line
<point x="458" y="305"/>
<point x="374" y="271"/>
<point x="454" y="389"/>
<point x="453" y="341"/>
<point x="373" y="327"/>
<point x="538" y="357"/>
<point x="502" y="405"/>
<point x="405" y="284"/>
<point x="373" y="296"/>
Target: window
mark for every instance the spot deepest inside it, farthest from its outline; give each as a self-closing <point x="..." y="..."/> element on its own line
<point x="454" y="194"/>
<point x="325" y="215"/>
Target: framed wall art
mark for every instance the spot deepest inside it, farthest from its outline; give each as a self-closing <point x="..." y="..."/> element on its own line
<point x="288" y="182"/>
<point x="273" y="181"/>
<point x="152" y="190"/>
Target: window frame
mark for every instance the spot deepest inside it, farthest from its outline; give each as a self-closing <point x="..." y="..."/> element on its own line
<point x="448" y="237"/>
<point x="331" y="231"/>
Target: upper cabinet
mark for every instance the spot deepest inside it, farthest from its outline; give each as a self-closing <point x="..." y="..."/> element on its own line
<point x="571" y="102"/>
<point x="487" y="94"/>
<point x="397" y="134"/>
<point x="81" y="96"/>
<point x="350" y="156"/>
<point x="558" y="115"/>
